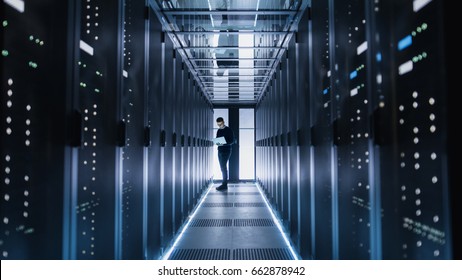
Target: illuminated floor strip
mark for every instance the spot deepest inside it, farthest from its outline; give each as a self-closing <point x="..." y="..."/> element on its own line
<point x="278" y="224"/>
<point x="185" y="226"/>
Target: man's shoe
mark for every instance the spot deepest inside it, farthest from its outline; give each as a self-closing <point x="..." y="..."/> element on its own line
<point x="221" y="188"/>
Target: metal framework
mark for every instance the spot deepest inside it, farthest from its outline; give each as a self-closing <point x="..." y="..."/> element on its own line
<point x="218" y="41"/>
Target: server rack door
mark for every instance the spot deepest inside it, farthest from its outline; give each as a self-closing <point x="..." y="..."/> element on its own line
<point x="420" y="107"/>
<point x="292" y="149"/>
<point x="177" y="177"/>
<point x="351" y="129"/>
<point x="167" y="160"/>
<point x="187" y="147"/>
<point x="321" y="133"/>
<point x="132" y="103"/>
<point x="282" y="125"/>
<point x="36" y="89"/>
<point x="273" y="177"/>
<point x="99" y="92"/>
<point x="154" y="218"/>
<point x="302" y="138"/>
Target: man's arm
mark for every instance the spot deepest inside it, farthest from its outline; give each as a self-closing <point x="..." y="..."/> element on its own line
<point x="229" y="136"/>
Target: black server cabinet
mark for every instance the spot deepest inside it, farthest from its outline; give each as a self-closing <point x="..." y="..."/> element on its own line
<point x="292" y="111"/>
<point x="37" y="48"/>
<point x="302" y="139"/>
<point x="321" y="132"/>
<point x="154" y="110"/>
<point x="283" y="148"/>
<point x="177" y="131"/>
<point x="98" y="170"/>
<point x="187" y="160"/>
<point x="417" y="205"/>
<point x="166" y="146"/>
<point x="132" y="131"/>
<point x="278" y="150"/>
<point x="352" y="135"/>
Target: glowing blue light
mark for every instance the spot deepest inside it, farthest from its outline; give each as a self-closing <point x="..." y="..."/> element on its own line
<point x="353" y="75"/>
<point x="185" y="227"/>
<point x="276" y="221"/>
<point x="378" y="57"/>
<point x="405" y="42"/>
<point x="325" y="91"/>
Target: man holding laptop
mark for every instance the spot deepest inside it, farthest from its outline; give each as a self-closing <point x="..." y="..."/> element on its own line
<point x="224" y="150"/>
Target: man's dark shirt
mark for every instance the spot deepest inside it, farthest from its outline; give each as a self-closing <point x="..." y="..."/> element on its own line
<point x="229" y="136"/>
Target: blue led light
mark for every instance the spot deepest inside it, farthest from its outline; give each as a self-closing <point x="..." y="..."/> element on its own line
<point x="353" y="75"/>
<point x="405" y="42"/>
<point x="378" y="57"/>
<point x="325" y="91"/>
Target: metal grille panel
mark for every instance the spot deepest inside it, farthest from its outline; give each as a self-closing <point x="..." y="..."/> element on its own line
<point x="200" y="254"/>
<point x="211" y="204"/>
<point x="254" y="223"/>
<point x="247" y="193"/>
<point x="211" y="223"/>
<point x="250" y="204"/>
<point x="262" y="254"/>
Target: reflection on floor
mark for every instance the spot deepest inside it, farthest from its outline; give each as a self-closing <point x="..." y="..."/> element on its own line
<point x="232" y="225"/>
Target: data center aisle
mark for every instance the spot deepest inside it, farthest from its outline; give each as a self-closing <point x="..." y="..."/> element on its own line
<point x="232" y="225"/>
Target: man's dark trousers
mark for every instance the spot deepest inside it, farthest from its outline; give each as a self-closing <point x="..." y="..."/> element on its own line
<point x="223" y="157"/>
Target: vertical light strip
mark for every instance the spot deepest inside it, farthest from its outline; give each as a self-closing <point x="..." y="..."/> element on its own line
<point x="185" y="227"/>
<point x="256" y="16"/>
<point x="276" y="221"/>
<point x="211" y="18"/>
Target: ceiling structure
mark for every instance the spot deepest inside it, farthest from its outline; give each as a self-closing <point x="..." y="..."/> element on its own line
<point x="232" y="47"/>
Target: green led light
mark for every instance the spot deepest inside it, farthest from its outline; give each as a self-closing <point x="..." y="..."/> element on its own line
<point x="5" y="23"/>
<point x="37" y="40"/>
<point x="41" y="43"/>
<point x="424" y="26"/>
<point x="31" y="37"/>
<point x="80" y="63"/>
<point x="33" y="64"/>
<point x="4" y="52"/>
<point x="97" y="90"/>
<point x="424" y="55"/>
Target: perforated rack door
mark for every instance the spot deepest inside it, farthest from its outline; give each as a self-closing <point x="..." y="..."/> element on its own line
<point x="33" y="130"/>
<point x="421" y="210"/>
<point x="100" y="74"/>
<point x="321" y="134"/>
<point x="134" y="97"/>
<point x="352" y="128"/>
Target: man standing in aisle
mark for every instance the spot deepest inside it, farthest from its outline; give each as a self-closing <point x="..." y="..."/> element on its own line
<point x="224" y="150"/>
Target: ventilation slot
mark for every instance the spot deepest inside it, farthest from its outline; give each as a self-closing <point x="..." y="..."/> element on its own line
<point x="221" y="193"/>
<point x="247" y="193"/>
<point x="200" y="254"/>
<point x="262" y="254"/>
<point x="254" y="223"/>
<point x="211" y="223"/>
<point x="211" y="204"/>
<point x="250" y="204"/>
